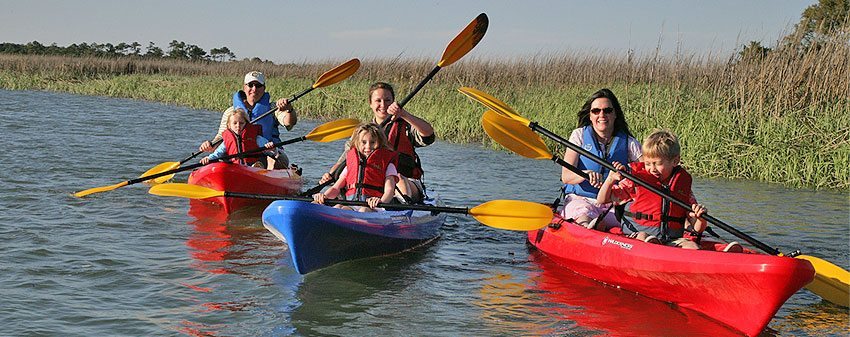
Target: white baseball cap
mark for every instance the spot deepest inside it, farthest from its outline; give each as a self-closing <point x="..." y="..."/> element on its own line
<point x="255" y="76"/>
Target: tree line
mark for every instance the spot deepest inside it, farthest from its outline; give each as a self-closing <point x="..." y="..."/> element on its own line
<point x="176" y="50"/>
<point x="828" y="19"/>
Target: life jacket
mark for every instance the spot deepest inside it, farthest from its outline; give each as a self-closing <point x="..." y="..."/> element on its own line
<point x="651" y="212"/>
<point x="268" y="123"/>
<point x="365" y="176"/>
<point x="398" y="136"/>
<point x="246" y="141"/>
<point x="618" y="151"/>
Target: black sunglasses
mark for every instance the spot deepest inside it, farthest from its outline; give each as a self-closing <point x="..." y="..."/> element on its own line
<point x="607" y="110"/>
<point x="255" y="84"/>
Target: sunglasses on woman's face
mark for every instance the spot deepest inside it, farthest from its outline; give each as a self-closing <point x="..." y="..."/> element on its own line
<point x="607" y="110"/>
<point x="255" y="84"/>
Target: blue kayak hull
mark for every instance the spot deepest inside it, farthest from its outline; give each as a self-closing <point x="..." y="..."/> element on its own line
<point x="319" y="236"/>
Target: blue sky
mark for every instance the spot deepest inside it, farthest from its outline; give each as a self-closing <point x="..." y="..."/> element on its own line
<point x="295" y="31"/>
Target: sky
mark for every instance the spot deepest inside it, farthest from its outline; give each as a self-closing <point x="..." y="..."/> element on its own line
<point x="304" y="31"/>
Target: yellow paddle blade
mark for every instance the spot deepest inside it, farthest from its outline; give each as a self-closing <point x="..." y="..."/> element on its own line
<point x="493" y="103"/>
<point x="514" y="135"/>
<point x="334" y="130"/>
<point x="831" y="282"/>
<point x="83" y="193"/>
<point x="513" y="215"/>
<point x="185" y="191"/>
<point x="465" y="40"/>
<point x="166" y="166"/>
<point x="337" y="74"/>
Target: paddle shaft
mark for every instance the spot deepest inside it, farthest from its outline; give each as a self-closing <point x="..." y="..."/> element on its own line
<point x="412" y="93"/>
<point x="331" y="202"/>
<point x="193" y="166"/>
<point x="534" y="126"/>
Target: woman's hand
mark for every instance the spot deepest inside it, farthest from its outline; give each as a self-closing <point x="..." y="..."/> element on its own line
<point x="319" y="198"/>
<point x="594" y="178"/>
<point x="396" y="110"/>
<point x="373" y="202"/>
<point x="269" y="145"/>
<point x="206" y="146"/>
<point x="205" y="161"/>
<point x="325" y="178"/>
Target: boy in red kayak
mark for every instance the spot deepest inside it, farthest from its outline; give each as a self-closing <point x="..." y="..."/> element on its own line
<point x="240" y="136"/>
<point x="656" y="219"/>
<point x="370" y="172"/>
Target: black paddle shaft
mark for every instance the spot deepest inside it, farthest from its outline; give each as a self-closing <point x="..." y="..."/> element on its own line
<point x="436" y="209"/>
<point x="193" y="166"/>
<point x="536" y="127"/>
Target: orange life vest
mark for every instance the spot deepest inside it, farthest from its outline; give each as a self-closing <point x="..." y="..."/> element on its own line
<point x="366" y="176"/>
<point x="245" y="141"/>
<point x="398" y="136"/>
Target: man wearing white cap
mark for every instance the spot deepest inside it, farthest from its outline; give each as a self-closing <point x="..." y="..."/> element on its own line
<point x="254" y="99"/>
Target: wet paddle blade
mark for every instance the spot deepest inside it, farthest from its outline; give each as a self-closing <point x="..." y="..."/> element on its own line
<point x="337" y="74"/>
<point x="493" y="103"/>
<point x="166" y="166"/>
<point x="514" y="135"/>
<point x="465" y="40"/>
<point x="185" y="191"/>
<point x="83" y="193"/>
<point x="334" y="130"/>
<point x="831" y="282"/>
<point x="513" y="215"/>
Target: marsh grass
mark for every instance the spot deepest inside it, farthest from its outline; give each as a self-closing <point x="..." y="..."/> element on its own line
<point x="783" y="118"/>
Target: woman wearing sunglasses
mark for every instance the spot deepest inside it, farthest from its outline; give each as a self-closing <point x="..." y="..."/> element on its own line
<point x="604" y="132"/>
<point x="254" y="99"/>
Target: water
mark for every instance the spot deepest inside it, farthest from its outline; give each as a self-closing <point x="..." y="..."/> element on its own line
<point x="128" y="263"/>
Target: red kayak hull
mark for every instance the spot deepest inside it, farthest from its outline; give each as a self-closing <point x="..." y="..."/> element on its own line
<point x="244" y="179"/>
<point x="741" y="290"/>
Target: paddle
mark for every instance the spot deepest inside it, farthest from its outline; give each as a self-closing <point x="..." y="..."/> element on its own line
<point x="831" y="282"/>
<point x="332" y="76"/>
<point x="457" y="48"/>
<point x="502" y="214"/>
<point x="328" y="132"/>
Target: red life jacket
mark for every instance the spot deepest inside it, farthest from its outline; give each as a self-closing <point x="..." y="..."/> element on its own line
<point x="245" y="141"/>
<point x="398" y="136"/>
<point x="366" y="176"/>
<point x="652" y="213"/>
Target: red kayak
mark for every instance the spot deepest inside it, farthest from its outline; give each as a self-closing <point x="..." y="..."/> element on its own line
<point x="741" y="290"/>
<point x="244" y="179"/>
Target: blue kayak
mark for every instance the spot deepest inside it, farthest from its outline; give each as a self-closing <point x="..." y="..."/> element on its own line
<point x="319" y="236"/>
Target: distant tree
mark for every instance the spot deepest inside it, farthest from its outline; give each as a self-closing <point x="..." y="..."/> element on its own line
<point x="195" y="53"/>
<point x="753" y="51"/>
<point x="219" y="54"/>
<point x="135" y="48"/>
<point x="177" y="50"/>
<point x="820" y="21"/>
<point x="153" y="51"/>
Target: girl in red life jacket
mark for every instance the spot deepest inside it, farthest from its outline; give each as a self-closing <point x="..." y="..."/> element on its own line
<point x="370" y="170"/>
<point x="655" y="218"/>
<point x="240" y="136"/>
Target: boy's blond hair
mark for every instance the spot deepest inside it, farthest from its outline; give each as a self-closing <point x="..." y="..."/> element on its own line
<point x="661" y="143"/>
<point x="237" y="112"/>
<point x="372" y="129"/>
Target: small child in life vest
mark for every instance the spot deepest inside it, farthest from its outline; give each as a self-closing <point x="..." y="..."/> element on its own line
<point x="240" y="136"/>
<point x="370" y="170"/>
<point x="656" y="219"/>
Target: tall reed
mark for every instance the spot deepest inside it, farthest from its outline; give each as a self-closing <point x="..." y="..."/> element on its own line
<point x="782" y="118"/>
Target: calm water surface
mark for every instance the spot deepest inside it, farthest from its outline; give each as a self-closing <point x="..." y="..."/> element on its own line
<point x="128" y="263"/>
